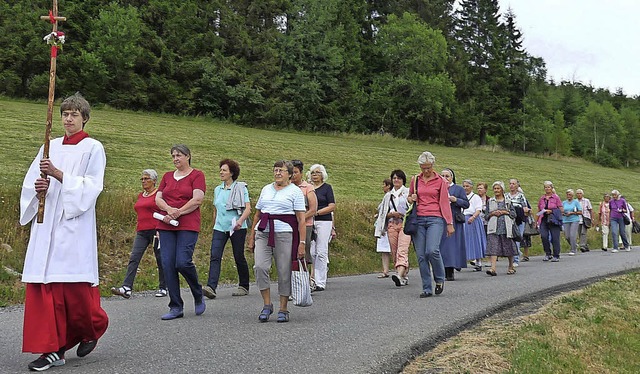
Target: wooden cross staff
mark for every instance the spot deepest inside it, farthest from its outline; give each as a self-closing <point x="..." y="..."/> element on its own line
<point x="54" y="19"/>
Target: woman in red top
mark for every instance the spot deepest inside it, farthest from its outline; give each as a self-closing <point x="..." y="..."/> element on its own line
<point x="179" y="197"/>
<point x="434" y="216"/>
<point x="145" y="234"/>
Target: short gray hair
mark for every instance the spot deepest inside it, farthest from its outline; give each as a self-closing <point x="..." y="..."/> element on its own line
<point x="468" y="181"/>
<point x="579" y="190"/>
<point x="426" y="157"/>
<point x="182" y="149"/>
<point x="571" y="191"/>
<point x="615" y="192"/>
<point x="322" y="169"/>
<point x="151" y="173"/>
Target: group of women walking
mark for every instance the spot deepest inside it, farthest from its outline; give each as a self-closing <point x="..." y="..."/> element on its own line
<point x="459" y="226"/>
<point x="456" y="226"/>
<point x="293" y="220"/>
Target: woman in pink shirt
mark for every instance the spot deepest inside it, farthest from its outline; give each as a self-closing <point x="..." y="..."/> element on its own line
<point x="434" y="215"/>
<point x="550" y="222"/>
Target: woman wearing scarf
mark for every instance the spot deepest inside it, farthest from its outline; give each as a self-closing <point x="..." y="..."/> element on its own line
<point x="278" y="227"/>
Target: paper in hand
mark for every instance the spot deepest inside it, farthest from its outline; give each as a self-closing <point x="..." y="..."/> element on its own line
<point x="233" y="226"/>
<point x="160" y="217"/>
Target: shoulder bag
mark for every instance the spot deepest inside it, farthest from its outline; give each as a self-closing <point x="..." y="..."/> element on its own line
<point x="410" y="221"/>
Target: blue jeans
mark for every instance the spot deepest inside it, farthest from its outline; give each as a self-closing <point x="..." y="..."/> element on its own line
<point x="140" y="244"/>
<point x="617" y="228"/>
<point x="176" y="250"/>
<point x="545" y="229"/>
<point x="218" y="241"/>
<point x="427" y="244"/>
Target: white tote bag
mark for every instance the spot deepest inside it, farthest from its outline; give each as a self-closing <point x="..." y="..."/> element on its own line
<point x="300" y="288"/>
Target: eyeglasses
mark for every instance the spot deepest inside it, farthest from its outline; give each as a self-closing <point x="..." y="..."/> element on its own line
<point x="280" y="171"/>
<point x="143" y="179"/>
<point x="316" y="172"/>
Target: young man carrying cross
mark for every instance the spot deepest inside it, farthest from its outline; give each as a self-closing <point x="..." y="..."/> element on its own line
<point x="62" y="301"/>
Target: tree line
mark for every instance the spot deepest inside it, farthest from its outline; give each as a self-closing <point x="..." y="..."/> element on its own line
<point x="420" y="69"/>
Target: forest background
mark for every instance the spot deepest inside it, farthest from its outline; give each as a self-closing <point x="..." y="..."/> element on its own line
<point x="446" y="72"/>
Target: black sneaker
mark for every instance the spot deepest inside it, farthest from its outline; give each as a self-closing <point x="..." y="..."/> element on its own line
<point x="46" y="361"/>
<point x="84" y="348"/>
<point x="439" y="288"/>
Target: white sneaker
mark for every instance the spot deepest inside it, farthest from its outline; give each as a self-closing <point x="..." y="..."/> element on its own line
<point x="405" y="281"/>
<point x="614" y="251"/>
<point x="628" y="249"/>
<point x="571" y="253"/>
<point x="515" y="264"/>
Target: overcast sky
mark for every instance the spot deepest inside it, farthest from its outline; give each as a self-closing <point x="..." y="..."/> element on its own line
<point x="591" y="41"/>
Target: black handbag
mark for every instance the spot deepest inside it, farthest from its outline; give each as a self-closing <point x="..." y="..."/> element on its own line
<point x="586" y="222"/>
<point x="515" y="232"/>
<point x="458" y="216"/>
<point x="626" y="219"/>
<point x="636" y="227"/>
<point x="410" y="221"/>
<point x="530" y="228"/>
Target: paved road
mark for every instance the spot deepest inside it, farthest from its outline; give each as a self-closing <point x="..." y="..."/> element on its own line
<point x="360" y="324"/>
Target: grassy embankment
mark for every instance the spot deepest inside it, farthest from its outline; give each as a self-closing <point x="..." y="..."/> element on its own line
<point x="356" y="165"/>
<point x="593" y="330"/>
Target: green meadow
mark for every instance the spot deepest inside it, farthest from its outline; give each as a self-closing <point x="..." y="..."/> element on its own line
<point x="356" y="164"/>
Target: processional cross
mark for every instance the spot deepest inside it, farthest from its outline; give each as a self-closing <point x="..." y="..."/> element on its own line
<point x="55" y="39"/>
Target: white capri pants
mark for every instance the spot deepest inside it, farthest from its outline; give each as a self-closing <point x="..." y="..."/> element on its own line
<point x="320" y="251"/>
<point x="282" y="255"/>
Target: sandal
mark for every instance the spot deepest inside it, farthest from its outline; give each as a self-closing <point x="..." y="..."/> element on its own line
<point x="511" y="271"/>
<point x="123" y="291"/>
<point x="492" y="272"/>
<point x="525" y="258"/>
<point x="383" y="275"/>
<point x="283" y="316"/>
<point x="266" y="311"/>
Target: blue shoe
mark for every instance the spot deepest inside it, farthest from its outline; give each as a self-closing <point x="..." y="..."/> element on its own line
<point x="173" y="314"/>
<point x="283" y="316"/>
<point x="200" y="308"/>
<point x="266" y="311"/>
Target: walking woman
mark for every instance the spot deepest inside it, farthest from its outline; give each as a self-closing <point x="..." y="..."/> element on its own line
<point x="434" y="217"/>
<point x="550" y="212"/>
<point x="323" y="225"/>
<point x="453" y="247"/>
<point x="382" y="240"/>
<point x="474" y="235"/>
<point x="398" y="240"/>
<point x="501" y="218"/>
<point x="603" y="217"/>
<point x="618" y="207"/>
<point x="278" y="232"/>
<point x="179" y="197"/>
<point x="231" y="208"/>
<point x="311" y="205"/>
<point x="571" y="220"/>
<point x="146" y="234"/>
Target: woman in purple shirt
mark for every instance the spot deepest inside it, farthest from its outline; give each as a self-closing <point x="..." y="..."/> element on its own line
<point x="618" y="207"/>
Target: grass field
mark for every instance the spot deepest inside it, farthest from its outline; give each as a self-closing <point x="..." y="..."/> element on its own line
<point x="593" y="330"/>
<point x="356" y="165"/>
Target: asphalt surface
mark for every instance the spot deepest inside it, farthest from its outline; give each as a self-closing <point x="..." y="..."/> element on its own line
<point x="360" y="324"/>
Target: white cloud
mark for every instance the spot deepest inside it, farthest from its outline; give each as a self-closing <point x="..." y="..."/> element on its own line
<point x="591" y="41"/>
